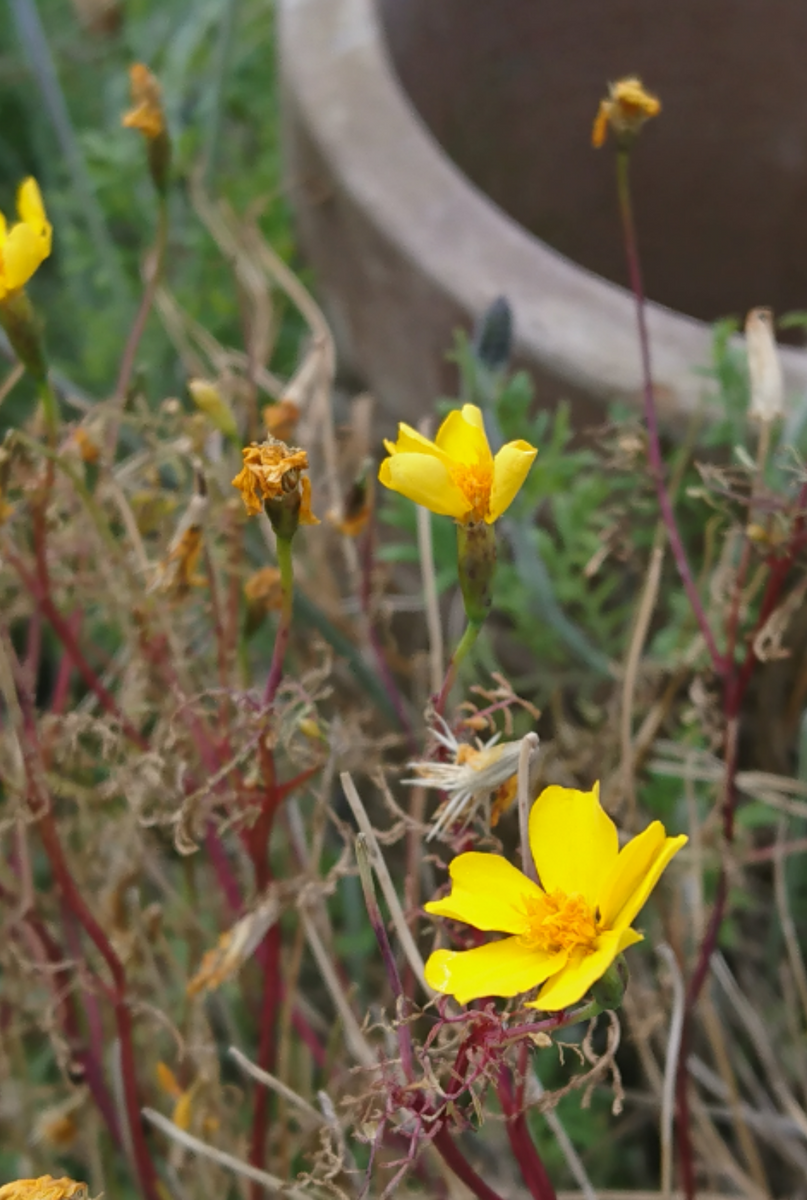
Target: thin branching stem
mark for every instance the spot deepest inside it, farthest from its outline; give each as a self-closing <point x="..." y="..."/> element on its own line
<point x="651" y="414"/>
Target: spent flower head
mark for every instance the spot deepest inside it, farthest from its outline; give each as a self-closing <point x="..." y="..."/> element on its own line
<point x="567" y="930"/>
<point x="474" y="776"/>
<point x="456" y="475"/>
<point x="146" y="113"/>
<point x="272" y="478"/>
<point x="44" y="1188"/>
<point x="625" y="110"/>
<point x="26" y="245"/>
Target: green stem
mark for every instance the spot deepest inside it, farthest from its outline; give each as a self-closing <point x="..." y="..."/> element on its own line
<point x="50" y="408"/>
<point x="464" y="645"/>
<point x="284" y="561"/>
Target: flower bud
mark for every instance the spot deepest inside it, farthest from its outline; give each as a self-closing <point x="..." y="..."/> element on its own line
<point x="609" y="989"/>
<point x="764" y="367"/>
<point x="23" y="329"/>
<point x="209" y="400"/>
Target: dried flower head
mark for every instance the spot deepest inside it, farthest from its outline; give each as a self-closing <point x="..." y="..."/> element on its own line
<point x="456" y="475"/>
<point x="43" y="1188"/>
<point x="565" y="931"/>
<point x="281" y="419"/>
<point x="625" y="110"/>
<point x="471" y="778"/>
<point x="26" y="245"/>
<point x="764" y="367"/>
<point x="272" y="477"/>
<point x="146" y="113"/>
<point x="176" y="574"/>
<point x="264" y="589"/>
<point x="234" y="947"/>
<point x="357" y="506"/>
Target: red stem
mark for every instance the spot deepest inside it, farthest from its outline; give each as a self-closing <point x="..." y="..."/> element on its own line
<point x="651" y="418"/>
<point x="526" y="1154"/>
<point x="63" y="630"/>
<point x="453" y="1157"/>
<point x="76" y="903"/>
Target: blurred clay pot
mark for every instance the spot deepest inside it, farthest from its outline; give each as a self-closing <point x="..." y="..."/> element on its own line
<point x="438" y="155"/>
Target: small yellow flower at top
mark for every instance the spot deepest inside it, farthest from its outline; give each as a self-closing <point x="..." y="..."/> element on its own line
<point x="43" y="1188"/>
<point x="565" y="931"/>
<point x="625" y="110"/>
<point x="146" y="113"/>
<point x="456" y="475"/>
<point x="26" y="245"/>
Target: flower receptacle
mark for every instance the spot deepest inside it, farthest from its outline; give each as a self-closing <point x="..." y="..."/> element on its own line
<point x="476" y="561"/>
<point x="609" y="990"/>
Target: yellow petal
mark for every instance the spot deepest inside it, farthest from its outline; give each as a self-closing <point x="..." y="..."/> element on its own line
<point x="411" y="442"/>
<point x="32" y="212"/>
<point x="505" y="968"/>
<point x="511" y="467"/>
<point x="487" y="892"/>
<point x="583" y="969"/>
<point x="427" y="481"/>
<point x="462" y="436"/>
<point x="573" y="841"/>
<point x="635" y="873"/>
<point x="3" y="230"/>
<point x="23" y="252"/>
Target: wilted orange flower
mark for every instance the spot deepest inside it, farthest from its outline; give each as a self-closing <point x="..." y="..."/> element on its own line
<point x="89" y="451"/>
<point x="146" y="113"/>
<point x="43" y="1188"/>
<point x="264" y="589"/>
<point x="625" y="110"/>
<point x="234" y="947"/>
<point x="271" y="471"/>
<point x="281" y="419"/>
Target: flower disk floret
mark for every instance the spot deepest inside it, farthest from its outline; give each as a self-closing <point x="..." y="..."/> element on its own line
<point x="565" y="931"/>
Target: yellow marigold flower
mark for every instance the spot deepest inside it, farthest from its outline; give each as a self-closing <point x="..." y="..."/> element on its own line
<point x="26" y="245"/>
<point x="565" y="932"/>
<point x="456" y="475"/>
<point x="625" y="110"/>
<point x="271" y="471"/>
<point x="43" y="1188"/>
<point x="146" y="113"/>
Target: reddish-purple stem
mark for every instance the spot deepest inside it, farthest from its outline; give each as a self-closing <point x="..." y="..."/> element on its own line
<point x="651" y="417"/>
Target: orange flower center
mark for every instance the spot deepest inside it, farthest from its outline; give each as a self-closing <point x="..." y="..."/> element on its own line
<point x="555" y="921"/>
<point x="475" y="481"/>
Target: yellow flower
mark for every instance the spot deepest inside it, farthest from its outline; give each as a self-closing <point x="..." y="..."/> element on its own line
<point x="44" y="1188"/>
<point x="456" y="475"/>
<point x="565" y="932"/>
<point x="627" y="108"/>
<point x="146" y="113"/>
<point x="26" y="245"/>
